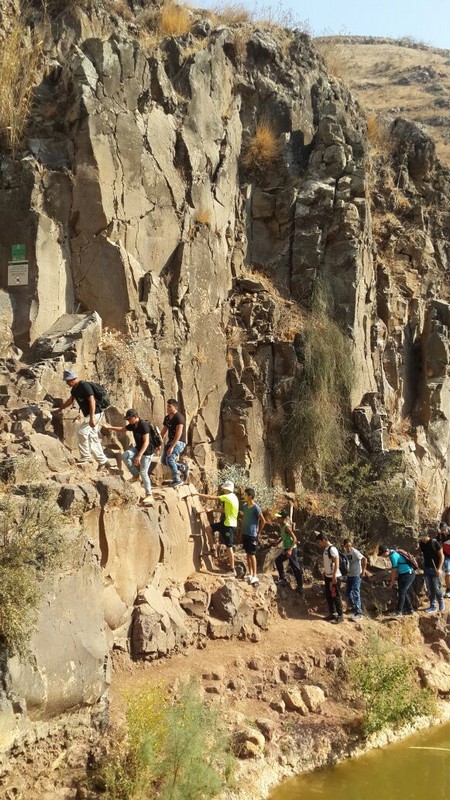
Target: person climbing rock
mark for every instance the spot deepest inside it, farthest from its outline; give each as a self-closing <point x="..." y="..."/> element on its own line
<point x="88" y="432"/>
<point x="403" y="574"/>
<point x="227" y="526"/>
<point x="252" y="524"/>
<point x="174" y="426"/>
<point x="356" y="570"/>
<point x="433" y="561"/>
<point x="289" y="553"/>
<point x="332" y="573"/>
<point x="137" y="459"/>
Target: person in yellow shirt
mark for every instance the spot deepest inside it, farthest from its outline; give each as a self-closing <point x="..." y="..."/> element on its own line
<point x="226" y="528"/>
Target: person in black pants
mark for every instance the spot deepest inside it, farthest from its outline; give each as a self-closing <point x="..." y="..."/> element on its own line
<point x="332" y="574"/>
<point x="289" y="541"/>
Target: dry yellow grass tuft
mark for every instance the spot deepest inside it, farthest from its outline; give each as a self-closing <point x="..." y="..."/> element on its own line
<point x="19" y="61"/>
<point x="175" y="20"/>
<point x="232" y="14"/>
<point x="337" y="57"/>
<point x="263" y="149"/>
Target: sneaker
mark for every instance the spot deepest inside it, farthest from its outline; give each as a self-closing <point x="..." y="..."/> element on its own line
<point x="247" y="578"/>
<point x="282" y="582"/>
<point x="409" y="613"/>
<point x="175" y="484"/>
<point x="299" y="591"/>
<point x="147" y="500"/>
<point x="81" y="461"/>
<point x="441" y="606"/>
<point x="356" y="617"/>
<point x="447" y="593"/>
<point x="105" y="467"/>
<point x="338" y="619"/>
<point x="254" y="581"/>
<point x="330" y="618"/>
<point x="186" y="473"/>
<point x="395" y="614"/>
<point x="430" y="610"/>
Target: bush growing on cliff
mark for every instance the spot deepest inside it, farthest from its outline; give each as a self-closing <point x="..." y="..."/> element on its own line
<point x="32" y="545"/>
<point x="173" y="750"/>
<point x="315" y="434"/>
<point x="386" y="679"/>
<point x="266" y="496"/>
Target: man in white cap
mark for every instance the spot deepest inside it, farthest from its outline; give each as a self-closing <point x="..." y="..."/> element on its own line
<point x="88" y="432"/>
<point x="226" y="528"/>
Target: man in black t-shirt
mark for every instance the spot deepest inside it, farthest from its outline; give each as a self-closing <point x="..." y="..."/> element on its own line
<point x="88" y="432"/>
<point x="174" y="426"/>
<point x="139" y="457"/>
<point x="433" y="559"/>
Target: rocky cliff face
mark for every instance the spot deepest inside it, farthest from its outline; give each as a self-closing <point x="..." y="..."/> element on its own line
<point x="165" y="263"/>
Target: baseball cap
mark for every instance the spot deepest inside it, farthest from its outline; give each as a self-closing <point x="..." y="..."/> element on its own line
<point x="69" y="375"/>
<point x="228" y="486"/>
<point x="131" y="413"/>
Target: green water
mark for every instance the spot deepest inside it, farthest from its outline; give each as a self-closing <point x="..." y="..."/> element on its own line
<point x="397" y="772"/>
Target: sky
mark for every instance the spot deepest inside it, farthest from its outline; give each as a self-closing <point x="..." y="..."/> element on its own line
<point x="427" y="21"/>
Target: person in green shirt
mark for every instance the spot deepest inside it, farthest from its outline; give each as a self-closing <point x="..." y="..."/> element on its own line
<point x="289" y="541"/>
<point x="226" y="528"/>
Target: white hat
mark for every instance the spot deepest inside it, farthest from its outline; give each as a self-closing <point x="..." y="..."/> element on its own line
<point x="228" y="485"/>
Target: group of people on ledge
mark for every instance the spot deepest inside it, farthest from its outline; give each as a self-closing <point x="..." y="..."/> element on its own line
<point x="434" y="545"/>
<point x="138" y="458"/>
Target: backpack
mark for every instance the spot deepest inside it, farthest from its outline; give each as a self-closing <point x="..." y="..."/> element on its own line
<point x="410" y="560"/>
<point x="344" y="563"/>
<point x="155" y="436"/>
<point x="101" y="395"/>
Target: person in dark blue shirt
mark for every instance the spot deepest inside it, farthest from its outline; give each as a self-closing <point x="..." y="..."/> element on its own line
<point x="252" y="524"/>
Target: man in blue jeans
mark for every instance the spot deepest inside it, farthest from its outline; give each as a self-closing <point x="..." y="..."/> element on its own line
<point x="174" y="426"/>
<point x="433" y="560"/>
<point x="404" y="575"/>
<point x="356" y="570"/>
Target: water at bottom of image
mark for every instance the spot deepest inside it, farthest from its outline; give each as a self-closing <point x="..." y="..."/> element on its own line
<point x="417" y="768"/>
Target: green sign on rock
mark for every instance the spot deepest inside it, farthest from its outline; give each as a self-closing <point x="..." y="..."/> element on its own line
<point x="18" y="252"/>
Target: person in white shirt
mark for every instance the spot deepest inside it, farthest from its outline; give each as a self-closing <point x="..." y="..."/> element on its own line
<point x="332" y="574"/>
<point x="357" y="564"/>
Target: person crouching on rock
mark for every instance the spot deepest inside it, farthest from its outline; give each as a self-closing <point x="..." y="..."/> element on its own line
<point x="252" y="524"/>
<point x="226" y="528"/>
<point x="289" y="542"/>
<point x="88" y="432"/>
<point x="138" y="458"/>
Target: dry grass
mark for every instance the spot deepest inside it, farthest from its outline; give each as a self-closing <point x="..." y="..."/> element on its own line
<point x="378" y="135"/>
<point x="19" y="62"/>
<point x="175" y="20"/>
<point x="337" y="57"/>
<point x="263" y="150"/>
<point x="203" y="217"/>
<point x="232" y="14"/>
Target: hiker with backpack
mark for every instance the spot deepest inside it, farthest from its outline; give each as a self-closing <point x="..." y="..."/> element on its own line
<point x="444" y="538"/>
<point x="137" y="459"/>
<point x="289" y="553"/>
<point x="403" y="573"/>
<point x="332" y="573"/>
<point x="91" y="400"/>
<point x="357" y="564"/>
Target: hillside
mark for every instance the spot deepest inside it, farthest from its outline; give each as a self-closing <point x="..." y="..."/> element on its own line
<point x="396" y="77"/>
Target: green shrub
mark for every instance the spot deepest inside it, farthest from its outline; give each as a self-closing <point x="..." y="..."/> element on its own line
<point x="315" y="435"/>
<point x="172" y="751"/>
<point x="266" y="496"/>
<point x="386" y="679"/>
<point x="32" y="545"/>
<point x="373" y="496"/>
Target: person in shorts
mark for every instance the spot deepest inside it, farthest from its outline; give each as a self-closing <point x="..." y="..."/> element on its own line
<point x="252" y="524"/>
<point x="444" y="538"/>
<point x="226" y="528"/>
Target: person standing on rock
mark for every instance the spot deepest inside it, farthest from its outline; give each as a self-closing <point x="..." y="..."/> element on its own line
<point x="252" y="524"/>
<point x="357" y="564"/>
<point x="227" y="526"/>
<point x="433" y="560"/>
<point x="404" y="575"/>
<point x="174" y="425"/>
<point x="88" y="432"/>
<point x="332" y="574"/>
<point x="444" y="539"/>
<point x="138" y="458"/>
<point x="289" y="541"/>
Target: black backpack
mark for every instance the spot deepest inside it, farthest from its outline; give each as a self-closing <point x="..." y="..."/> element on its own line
<point x="101" y="395"/>
<point x="344" y="563"/>
<point x="155" y="435"/>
